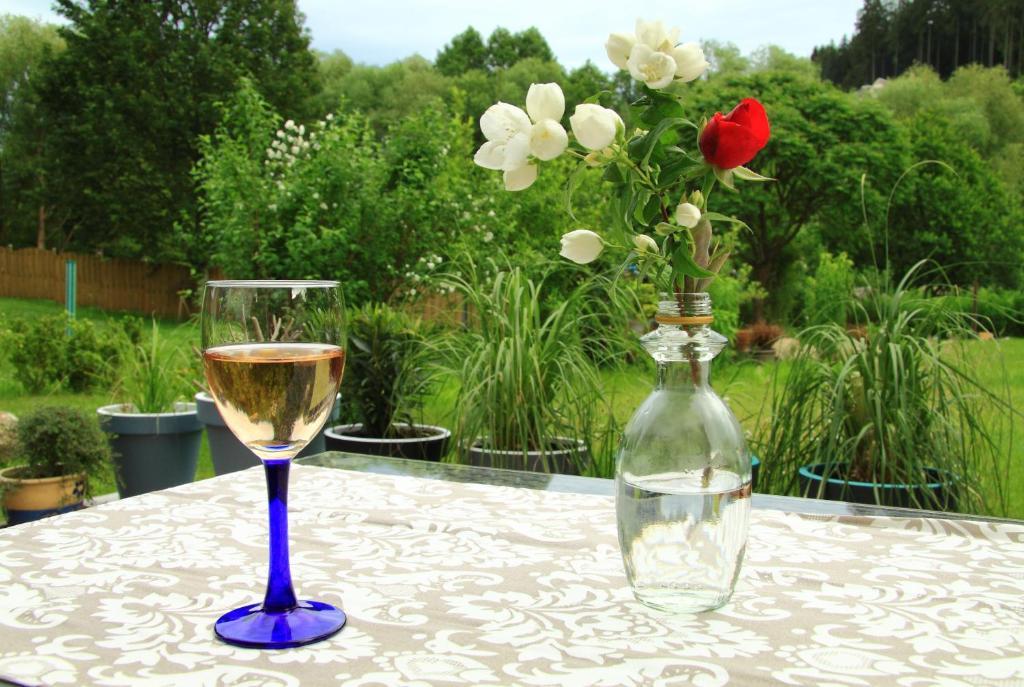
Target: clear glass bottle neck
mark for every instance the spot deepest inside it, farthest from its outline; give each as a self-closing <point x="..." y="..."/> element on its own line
<point x="684" y="335"/>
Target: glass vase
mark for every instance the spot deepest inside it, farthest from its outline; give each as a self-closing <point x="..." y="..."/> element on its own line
<point x="683" y="471"/>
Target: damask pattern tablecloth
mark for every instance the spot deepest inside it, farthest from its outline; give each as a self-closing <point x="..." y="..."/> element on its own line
<point x="463" y="584"/>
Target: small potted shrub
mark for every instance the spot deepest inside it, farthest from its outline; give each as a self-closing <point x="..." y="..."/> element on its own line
<point x="155" y="436"/>
<point x="389" y="370"/>
<point x="59" y="448"/>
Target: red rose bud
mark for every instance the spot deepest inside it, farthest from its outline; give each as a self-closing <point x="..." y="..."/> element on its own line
<point x="735" y="139"/>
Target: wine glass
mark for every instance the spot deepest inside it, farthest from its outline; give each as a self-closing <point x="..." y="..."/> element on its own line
<point x="274" y="354"/>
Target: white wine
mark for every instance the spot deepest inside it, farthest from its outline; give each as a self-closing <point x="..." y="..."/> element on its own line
<point x="275" y="397"/>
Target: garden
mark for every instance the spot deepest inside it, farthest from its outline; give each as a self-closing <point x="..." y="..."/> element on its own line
<point x="864" y="271"/>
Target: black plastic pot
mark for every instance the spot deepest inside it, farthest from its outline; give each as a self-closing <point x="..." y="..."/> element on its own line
<point x="938" y="494"/>
<point x="227" y="452"/>
<point x="422" y="442"/>
<point x="563" y="457"/>
<point x="152" y="451"/>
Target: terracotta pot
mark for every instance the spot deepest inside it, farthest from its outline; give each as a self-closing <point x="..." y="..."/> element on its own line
<point x="32" y="499"/>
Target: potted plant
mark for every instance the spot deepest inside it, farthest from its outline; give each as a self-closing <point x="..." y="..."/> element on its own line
<point x="60" y="448"/>
<point x="530" y="392"/>
<point x="154" y="434"/>
<point x="896" y="417"/>
<point x="389" y="371"/>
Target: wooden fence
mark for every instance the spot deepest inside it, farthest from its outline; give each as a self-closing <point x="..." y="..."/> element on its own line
<point x="110" y="284"/>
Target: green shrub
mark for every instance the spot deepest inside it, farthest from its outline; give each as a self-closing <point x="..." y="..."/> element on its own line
<point x="388" y="369"/>
<point x="151" y="375"/>
<point x="57" y="351"/>
<point x="60" y="441"/>
<point x="828" y="292"/>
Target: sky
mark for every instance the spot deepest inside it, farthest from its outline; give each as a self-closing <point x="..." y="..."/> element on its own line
<point x="380" y="32"/>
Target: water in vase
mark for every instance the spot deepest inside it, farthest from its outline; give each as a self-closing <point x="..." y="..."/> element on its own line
<point x="683" y="535"/>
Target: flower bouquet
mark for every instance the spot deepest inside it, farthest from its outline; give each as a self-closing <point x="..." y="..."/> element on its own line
<point x="663" y="170"/>
<point x="683" y="473"/>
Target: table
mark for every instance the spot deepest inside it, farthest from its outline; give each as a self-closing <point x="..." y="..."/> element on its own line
<point x="450" y="583"/>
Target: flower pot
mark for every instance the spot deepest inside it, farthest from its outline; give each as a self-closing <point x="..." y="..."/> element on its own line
<point x="227" y="452"/>
<point x="152" y="451"/>
<point x="755" y="468"/>
<point x="26" y="500"/>
<point x="938" y="494"/>
<point x="564" y="457"/>
<point x="421" y="442"/>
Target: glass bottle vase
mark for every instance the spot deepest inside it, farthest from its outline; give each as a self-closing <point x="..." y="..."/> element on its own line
<point x="683" y="471"/>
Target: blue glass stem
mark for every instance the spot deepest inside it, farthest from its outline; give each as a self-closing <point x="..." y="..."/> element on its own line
<point x="280" y="593"/>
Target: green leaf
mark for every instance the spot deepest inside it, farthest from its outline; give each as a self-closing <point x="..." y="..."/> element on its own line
<point x="596" y="98"/>
<point x="719" y="217"/>
<point x="659" y="106"/>
<point x="654" y="135"/>
<point x="613" y="173"/>
<point x="641" y="200"/>
<point x="725" y="177"/>
<point x="749" y="175"/>
<point x="683" y="263"/>
<point x="570" y="187"/>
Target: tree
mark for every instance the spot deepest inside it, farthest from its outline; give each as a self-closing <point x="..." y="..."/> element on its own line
<point x="822" y="142"/>
<point x="466" y="51"/>
<point x="25" y="46"/>
<point x="135" y="88"/>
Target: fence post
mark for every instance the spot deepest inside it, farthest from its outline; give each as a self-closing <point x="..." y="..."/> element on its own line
<point x="70" y="288"/>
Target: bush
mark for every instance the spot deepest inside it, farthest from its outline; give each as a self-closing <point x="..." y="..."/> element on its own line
<point x="57" y="351"/>
<point x="388" y="372"/>
<point x="60" y="441"/>
<point x="827" y="294"/>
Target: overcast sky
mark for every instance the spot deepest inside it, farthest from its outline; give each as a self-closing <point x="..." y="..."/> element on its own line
<point x="379" y="32"/>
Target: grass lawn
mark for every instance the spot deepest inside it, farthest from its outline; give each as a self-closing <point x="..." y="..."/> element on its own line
<point x="743" y="384"/>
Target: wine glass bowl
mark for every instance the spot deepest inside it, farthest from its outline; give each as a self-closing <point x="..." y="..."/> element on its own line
<point x="274" y="354"/>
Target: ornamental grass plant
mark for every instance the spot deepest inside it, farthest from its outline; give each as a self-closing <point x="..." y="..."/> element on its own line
<point x="530" y="372"/>
<point x="902" y="404"/>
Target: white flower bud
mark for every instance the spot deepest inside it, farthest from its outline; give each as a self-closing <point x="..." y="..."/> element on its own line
<point x="548" y="139"/>
<point x="581" y="246"/>
<point x="595" y="127"/>
<point x="645" y="244"/>
<point x="687" y="215"/>
<point x="545" y="101"/>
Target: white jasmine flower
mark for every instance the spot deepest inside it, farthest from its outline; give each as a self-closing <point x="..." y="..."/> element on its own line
<point x="618" y="46"/>
<point x="655" y="36"/>
<point x="520" y="179"/>
<point x="548" y="139"/>
<point x="581" y="246"/>
<point x="690" y="62"/>
<point x="656" y="69"/>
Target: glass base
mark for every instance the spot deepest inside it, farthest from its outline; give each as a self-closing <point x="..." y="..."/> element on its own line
<point x="251" y="626"/>
<point x="682" y="600"/>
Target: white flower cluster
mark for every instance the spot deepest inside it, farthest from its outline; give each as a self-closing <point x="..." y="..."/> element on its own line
<point x="653" y="55"/>
<point x="516" y="140"/>
<point x="291" y="143"/>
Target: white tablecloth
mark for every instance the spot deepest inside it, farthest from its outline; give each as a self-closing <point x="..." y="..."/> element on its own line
<point x="449" y="584"/>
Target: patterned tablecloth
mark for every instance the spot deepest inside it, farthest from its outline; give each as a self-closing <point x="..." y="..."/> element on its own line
<point x="449" y="584"/>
